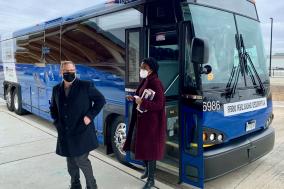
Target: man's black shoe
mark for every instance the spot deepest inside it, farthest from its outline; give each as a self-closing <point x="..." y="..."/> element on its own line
<point x="95" y="187"/>
<point x="76" y="186"/>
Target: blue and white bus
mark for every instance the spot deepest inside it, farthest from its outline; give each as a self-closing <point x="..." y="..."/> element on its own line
<point x="212" y="65"/>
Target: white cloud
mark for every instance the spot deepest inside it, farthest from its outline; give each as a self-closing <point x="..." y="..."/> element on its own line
<point x="277" y="37"/>
<point x="272" y="9"/>
<point x="16" y="14"/>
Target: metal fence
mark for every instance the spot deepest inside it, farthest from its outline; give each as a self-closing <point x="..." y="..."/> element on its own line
<point x="277" y="72"/>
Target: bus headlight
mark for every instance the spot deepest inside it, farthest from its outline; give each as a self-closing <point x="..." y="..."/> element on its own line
<point x="269" y="120"/>
<point x="212" y="137"/>
<point x="220" y="138"/>
<point x="267" y="123"/>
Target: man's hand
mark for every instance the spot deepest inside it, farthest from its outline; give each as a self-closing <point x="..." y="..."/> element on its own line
<point x="87" y="120"/>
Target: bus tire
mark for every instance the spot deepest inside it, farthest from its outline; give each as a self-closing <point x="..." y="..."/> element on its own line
<point x="9" y="100"/>
<point x="118" y="137"/>
<point x="17" y="102"/>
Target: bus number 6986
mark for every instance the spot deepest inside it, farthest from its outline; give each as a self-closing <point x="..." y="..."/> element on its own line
<point x="211" y="106"/>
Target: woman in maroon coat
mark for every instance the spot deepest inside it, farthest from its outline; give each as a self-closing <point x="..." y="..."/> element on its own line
<point x="147" y="131"/>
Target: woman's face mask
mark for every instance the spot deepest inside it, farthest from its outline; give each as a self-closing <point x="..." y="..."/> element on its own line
<point x="143" y="73"/>
<point x="69" y="76"/>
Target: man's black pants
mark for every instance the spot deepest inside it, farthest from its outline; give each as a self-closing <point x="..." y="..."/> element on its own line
<point x="81" y="162"/>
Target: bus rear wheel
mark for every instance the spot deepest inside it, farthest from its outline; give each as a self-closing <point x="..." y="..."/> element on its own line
<point x="118" y="138"/>
<point x="17" y="102"/>
<point x="9" y="100"/>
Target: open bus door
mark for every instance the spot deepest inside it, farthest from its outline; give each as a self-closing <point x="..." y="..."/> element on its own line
<point x="135" y="42"/>
<point x="191" y="131"/>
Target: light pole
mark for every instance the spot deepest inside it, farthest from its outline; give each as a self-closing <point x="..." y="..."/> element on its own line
<point x="270" y="46"/>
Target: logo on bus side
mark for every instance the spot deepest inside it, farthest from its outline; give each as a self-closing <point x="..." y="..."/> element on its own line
<point x="8" y="47"/>
<point x="244" y="106"/>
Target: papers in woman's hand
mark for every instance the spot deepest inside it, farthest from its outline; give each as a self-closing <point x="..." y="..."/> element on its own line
<point x="147" y="94"/>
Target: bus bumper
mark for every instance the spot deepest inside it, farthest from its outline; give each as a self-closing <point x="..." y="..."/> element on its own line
<point x="232" y="156"/>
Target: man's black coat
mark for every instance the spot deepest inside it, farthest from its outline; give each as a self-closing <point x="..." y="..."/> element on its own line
<point x="74" y="137"/>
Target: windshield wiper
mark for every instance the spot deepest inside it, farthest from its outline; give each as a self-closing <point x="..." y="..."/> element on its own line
<point x="250" y="69"/>
<point x="235" y="73"/>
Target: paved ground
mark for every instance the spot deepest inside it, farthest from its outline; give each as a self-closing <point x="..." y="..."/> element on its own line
<point x="277" y="88"/>
<point x="27" y="160"/>
<point x="278" y="81"/>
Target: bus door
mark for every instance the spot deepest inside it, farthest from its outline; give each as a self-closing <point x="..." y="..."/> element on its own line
<point x="191" y="132"/>
<point x="184" y="145"/>
<point x="163" y="46"/>
<point x="135" y="45"/>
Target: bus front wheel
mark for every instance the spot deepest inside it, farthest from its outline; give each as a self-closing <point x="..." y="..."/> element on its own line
<point x="9" y="100"/>
<point x="118" y="137"/>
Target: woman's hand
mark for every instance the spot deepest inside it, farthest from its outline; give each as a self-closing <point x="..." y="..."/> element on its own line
<point x="129" y="98"/>
<point x="87" y="120"/>
<point x="138" y="100"/>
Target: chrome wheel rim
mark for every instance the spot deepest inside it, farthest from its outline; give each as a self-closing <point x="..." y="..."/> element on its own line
<point x="8" y="99"/>
<point x="120" y="137"/>
<point x="16" y="102"/>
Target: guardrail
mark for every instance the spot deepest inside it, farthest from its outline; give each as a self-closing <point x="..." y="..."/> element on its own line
<point x="277" y="72"/>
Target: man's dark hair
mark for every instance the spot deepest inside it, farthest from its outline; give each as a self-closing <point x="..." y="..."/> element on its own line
<point x="64" y="62"/>
<point x="152" y="63"/>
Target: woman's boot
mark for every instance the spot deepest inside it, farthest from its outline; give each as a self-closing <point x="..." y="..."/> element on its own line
<point x="151" y="175"/>
<point x="145" y="174"/>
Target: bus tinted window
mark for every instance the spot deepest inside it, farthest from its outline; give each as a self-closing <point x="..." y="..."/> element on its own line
<point x="51" y="48"/>
<point x="164" y="48"/>
<point x="134" y="56"/>
<point x="29" y="48"/>
<point x="22" y="52"/>
<point x="115" y="23"/>
<point x="160" y="14"/>
<point x="100" y="42"/>
<point x="243" y="7"/>
<point x="83" y="44"/>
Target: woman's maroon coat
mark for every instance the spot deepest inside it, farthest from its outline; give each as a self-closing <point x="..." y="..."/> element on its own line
<point x="147" y="131"/>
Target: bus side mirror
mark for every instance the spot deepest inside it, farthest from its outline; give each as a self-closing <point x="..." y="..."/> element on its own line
<point x="199" y="51"/>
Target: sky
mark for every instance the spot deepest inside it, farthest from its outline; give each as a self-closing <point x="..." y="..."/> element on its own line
<point x="17" y="14"/>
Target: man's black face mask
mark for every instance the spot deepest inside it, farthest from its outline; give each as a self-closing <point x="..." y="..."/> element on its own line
<point x="69" y="76"/>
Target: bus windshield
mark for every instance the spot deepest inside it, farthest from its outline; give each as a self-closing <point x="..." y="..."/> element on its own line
<point x="253" y="43"/>
<point x="219" y="28"/>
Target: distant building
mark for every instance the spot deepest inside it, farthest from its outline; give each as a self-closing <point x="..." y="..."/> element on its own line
<point x="277" y="60"/>
<point x="277" y="65"/>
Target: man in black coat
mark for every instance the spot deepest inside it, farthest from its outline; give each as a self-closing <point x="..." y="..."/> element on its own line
<point x="74" y="105"/>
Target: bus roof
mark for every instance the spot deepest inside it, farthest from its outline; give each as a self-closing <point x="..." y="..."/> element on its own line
<point x="104" y="7"/>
